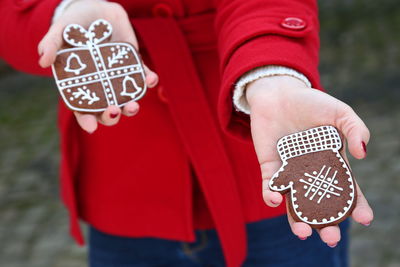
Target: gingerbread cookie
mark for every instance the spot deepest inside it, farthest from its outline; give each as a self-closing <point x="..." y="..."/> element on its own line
<point x="319" y="185"/>
<point x="92" y="74"/>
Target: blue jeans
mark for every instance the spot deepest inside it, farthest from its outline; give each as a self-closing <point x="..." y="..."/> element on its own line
<point x="270" y="243"/>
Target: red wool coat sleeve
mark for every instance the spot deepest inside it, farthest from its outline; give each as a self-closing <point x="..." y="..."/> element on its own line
<point x="250" y="34"/>
<point x="23" y="23"/>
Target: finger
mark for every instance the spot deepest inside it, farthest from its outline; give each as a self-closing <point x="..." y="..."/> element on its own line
<point x="49" y="45"/>
<point x="272" y="199"/>
<point x="87" y="122"/>
<point x="301" y="229"/>
<point x="151" y="77"/>
<point x="130" y="109"/>
<point x="354" y="129"/>
<point x="110" y="116"/>
<point x="330" y="235"/>
<point x="362" y="213"/>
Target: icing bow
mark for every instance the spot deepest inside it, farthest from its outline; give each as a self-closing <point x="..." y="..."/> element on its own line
<point x="98" y="31"/>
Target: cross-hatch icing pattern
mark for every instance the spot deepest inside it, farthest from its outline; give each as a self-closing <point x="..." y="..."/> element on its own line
<point x="321" y="183"/>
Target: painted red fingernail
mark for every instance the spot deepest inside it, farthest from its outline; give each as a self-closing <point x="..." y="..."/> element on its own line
<point x="364" y="147"/>
<point x="302" y="238"/>
<point x="332" y="245"/>
<point x="114" y="115"/>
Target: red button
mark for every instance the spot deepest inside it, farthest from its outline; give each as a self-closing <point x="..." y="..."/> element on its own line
<point x="162" y="10"/>
<point x="161" y="95"/>
<point x="293" y="24"/>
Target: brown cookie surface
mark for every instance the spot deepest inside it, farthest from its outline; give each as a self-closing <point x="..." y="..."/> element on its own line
<point x="92" y="75"/>
<point x="317" y="181"/>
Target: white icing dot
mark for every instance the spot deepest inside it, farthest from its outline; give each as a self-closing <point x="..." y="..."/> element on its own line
<point x="319" y="193"/>
<point x="90" y="78"/>
<point x="294" y="199"/>
<point x="112" y="49"/>
<point x="313" y="189"/>
<point x="71" y="98"/>
<point x="118" y="46"/>
<point x="110" y="95"/>
<point x="69" y="82"/>
<point x="282" y="186"/>
<point x="328" y="179"/>
<point x="96" y="76"/>
<point x="99" y="65"/>
<point x="294" y="191"/>
<point x="119" y="72"/>
<point x="76" y="81"/>
<point x="331" y="189"/>
<point x="345" y="209"/>
<point x="341" y="160"/>
<point x="336" y="182"/>
<point x="80" y="102"/>
<point x="324" y="220"/>
<point x="126" y="56"/>
<point x="314" y="221"/>
<point x="63" y="84"/>
<point x="349" y="202"/>
<point x="295" y="206"/>
<point x="131" y="69"/>
<point x="299" y="213"/>
<point x="305" y="218"/>
<point x="85" y="87"/>
<point x="322" y="176"/>
<point x="310" y="180"/>
<point x="317" y="183"/>
<point x="94" y="53"/>
<point x="305" y="187"/>
<point x="120" y="62"/>
<point x="315" y="173"/>
<point x="112" y="102"/>
<point x="351" y="194"/>
<point x="112" y="73"/>
<point x="83" y="79"/>
<point x="97" y="58"/>
<point x="340" y="214"/>
<point x="332" y="218"/>
<point x="125" y="70"/>
<point x="103" y="75"/>
<point x="69" y="90"/>
<point x="344" y="165"/>
<point x="324" y="185"/>
<point x="347" y="172"/>
<point x="107" y="90"/>
<point x="328" y="196"/>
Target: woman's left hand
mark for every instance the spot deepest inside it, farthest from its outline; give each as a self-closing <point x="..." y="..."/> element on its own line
<point x="281" y="105"/>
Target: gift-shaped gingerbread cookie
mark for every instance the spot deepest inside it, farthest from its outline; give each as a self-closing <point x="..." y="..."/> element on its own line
<point x="92" y="74"/>
<point x="318" y="183"/>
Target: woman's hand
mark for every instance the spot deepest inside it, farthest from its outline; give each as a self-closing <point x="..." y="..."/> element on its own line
<point x="84" y="12"/>
<point x="281" y="105"/>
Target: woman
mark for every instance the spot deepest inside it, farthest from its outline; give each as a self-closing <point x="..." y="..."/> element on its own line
<point x="167" y="175"/>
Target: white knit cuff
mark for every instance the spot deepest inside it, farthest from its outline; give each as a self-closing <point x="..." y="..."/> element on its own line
<point x="239" y="97"/>
<point x="61" y="7"/>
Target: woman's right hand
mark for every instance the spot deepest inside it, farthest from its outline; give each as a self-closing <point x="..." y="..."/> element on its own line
<point x="84" y="12"/>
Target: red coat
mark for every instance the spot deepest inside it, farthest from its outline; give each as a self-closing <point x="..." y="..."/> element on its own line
<point x="173" y="168"/>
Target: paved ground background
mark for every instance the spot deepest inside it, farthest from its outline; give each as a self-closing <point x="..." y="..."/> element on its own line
<point x="360" y="62"/>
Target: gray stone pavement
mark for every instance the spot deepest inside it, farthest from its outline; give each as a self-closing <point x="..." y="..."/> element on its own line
<point x="360" y="62"/>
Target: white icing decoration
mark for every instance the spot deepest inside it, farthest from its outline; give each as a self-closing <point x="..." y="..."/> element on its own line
<point x="335" y="143"/>
<point x="81" y="67"/>
<point x="86" y="95"/>
<point x="133" y="82"/>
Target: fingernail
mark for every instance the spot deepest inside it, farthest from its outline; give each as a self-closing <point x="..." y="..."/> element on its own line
<point x="366" y="224"/>
<point x="273" y="202"/>
<point x="114" y="115"/>
<point x="302" y="238"/>
<point x="332" y="245"/>
<point x="364" y="147"/>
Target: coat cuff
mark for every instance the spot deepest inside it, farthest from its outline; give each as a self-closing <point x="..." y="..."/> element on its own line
<point x="239" y="97"/>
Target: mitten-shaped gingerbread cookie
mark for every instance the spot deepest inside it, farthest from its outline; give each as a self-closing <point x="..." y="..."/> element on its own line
<point x="92" y="74"/>
<point x="319" y="184"/>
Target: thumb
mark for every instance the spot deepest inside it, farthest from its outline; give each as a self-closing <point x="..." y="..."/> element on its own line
<point x="354" y="129"/>
<point x="49" y="45"/>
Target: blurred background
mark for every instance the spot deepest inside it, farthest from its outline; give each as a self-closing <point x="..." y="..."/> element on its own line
<point x="360" y="64"/>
